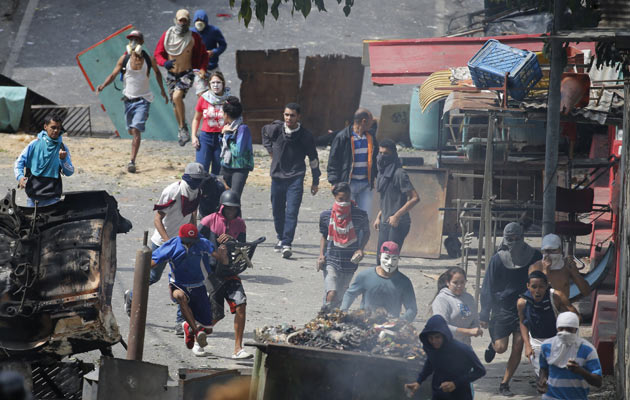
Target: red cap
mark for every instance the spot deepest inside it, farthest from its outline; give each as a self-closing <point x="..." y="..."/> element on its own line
<point x="135" y="34"/>
<point x="390" y="248"/>
<point x="188" y="231"/>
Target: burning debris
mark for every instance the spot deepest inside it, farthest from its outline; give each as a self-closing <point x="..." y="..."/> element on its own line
<point x="361" y="331"/>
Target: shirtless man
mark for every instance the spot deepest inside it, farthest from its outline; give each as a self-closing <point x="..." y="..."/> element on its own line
<point x="136" y="65"/>
<point x="181" y="51"/>
<point x="560" y="270"/>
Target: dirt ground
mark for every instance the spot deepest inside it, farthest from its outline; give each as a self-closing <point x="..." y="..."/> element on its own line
<point x="278" y="290"/>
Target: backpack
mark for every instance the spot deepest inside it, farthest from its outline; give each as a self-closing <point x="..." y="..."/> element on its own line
<point x="147" y="59"/>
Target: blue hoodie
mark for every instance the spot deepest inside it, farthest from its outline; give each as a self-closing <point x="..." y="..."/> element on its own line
<point x="212" y="38"/>
<point x="453" y="362"/>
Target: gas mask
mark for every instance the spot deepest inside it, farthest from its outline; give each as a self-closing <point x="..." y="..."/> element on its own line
<point x="134" y="47"/>
<point x="200" y="25"/>
<point x="557" y="261"/>
<point x="389" y="262"/>
<point x="216" y="87"/>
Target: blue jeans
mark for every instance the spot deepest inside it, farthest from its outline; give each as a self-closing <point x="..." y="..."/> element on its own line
<point x="209" y="152"/>
<point x="286" y="198"/>
<point x="362" y="195"/>
<point x="154" y="276"/>
<point x="42" y="203"/>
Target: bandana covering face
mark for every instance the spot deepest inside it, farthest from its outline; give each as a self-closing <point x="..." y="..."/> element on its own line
<point x="340" y="229"/>
<point x="214" y="98"/>
<point x="514" y="252"/>
<point x="176" y="41"/>
<point x="389" y="262"/>
<point x="565" y="345"/>
<point x="386" y="166"/>
<point x="557" y="261"/>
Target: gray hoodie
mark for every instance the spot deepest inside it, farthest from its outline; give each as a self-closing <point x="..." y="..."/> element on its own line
<point x="458" y="311"/>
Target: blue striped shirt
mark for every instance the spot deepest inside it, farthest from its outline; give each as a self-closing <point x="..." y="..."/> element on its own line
<point x="564" y="384"/>
<point x="360" y="166"/>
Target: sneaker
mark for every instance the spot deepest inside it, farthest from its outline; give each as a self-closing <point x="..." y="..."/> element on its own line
<point x="198" y="351"/>
<point x="189" y="336"/>
<point x="489" y="354"/>
<point x="504" y="390"/>
<point x="131" y="167"/>
<point x="183" y="135"/>
<point x="179" y="329"/>
<point x="127" y="302"/>
<point x="286" y="252"/>
<point x="241" y="355"/>
<point x="278" y="247"/>
<point x="202" y="339"/>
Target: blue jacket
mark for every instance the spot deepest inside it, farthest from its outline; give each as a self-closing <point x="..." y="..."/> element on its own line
<point x="453" y="362"/>
<point x="212" y="38"/>
<point x="185" y="262"/>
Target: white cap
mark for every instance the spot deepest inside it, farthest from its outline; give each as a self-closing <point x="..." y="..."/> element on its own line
<point x="568" y="319"/>
<point x="551" y="242"/>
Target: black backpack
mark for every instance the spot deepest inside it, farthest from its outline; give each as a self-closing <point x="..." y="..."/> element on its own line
<point x="147" y="59"/>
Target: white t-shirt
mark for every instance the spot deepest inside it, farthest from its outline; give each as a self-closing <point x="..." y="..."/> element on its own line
<point x="175" y="199"/>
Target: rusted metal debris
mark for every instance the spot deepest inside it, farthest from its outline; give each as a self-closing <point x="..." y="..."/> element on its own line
<point x="57" y="269"/>
<point x="360" y="331"/>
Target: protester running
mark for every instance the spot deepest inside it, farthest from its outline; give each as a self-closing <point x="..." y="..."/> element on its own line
<point x="215" y="46"/>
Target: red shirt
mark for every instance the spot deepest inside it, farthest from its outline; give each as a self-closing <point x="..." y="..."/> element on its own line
<point x="212" y="115"/>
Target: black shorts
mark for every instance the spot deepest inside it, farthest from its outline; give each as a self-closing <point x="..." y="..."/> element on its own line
<point x="503" y="323"/>
<point x="228" y="290"/>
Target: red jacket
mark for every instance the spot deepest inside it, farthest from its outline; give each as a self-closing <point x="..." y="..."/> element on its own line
<point x="199" y="52"/>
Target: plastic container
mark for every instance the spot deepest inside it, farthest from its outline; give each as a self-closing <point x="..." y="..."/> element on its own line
<point x="489" y="66"/>
<point x="424" y="126"/>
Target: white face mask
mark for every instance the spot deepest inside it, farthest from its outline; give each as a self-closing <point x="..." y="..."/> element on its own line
<point x="557" y="261"/>
<point x="216" y="87"/>
<point x="567" y="338"/>
<point x="389" y="262"/>
<point x="200" y="25"/>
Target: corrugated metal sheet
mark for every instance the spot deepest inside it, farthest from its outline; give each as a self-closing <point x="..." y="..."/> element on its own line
<point x="411" y="61"/>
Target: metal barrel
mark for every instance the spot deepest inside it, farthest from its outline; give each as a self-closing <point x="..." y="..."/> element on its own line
<point x="137" y="322"/>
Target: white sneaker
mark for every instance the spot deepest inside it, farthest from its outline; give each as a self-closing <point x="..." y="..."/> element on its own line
<point x="278" y="247"/>
<point x="198" y="351"/>
<point x="286" y="252"/>
<point x="241" y="355"/>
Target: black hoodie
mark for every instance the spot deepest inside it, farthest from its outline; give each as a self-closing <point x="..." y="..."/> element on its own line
<point x="453" y="362"/>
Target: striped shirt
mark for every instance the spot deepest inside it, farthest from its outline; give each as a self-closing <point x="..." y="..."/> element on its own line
<point x="339" y="257"/>
<point x="360" y="166"/>
<point x="564" y="384"/>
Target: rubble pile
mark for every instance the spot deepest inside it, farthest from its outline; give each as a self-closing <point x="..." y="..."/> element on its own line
<point x="360" y="331"/>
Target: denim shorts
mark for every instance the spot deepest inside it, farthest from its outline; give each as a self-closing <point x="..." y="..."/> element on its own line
<point x="137" y="113"/>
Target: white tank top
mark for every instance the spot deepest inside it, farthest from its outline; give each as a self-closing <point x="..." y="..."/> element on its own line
<point x="137" y="82"/>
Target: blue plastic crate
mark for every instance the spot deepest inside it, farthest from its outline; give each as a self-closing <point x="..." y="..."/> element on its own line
<point x="494" y="59"/>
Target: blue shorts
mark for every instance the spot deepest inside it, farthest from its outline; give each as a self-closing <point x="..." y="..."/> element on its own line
<point x="137" y="113"/>
<point x="198" y="302"/>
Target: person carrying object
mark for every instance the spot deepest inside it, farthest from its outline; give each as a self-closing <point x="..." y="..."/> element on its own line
<point x="345" y="230"/>
<point x="135" y="66"/>
<point x="569" y="364"/>
<point x="39" y="166"/>
<point x="537" y="311"/>
<point x="453" y="364"/>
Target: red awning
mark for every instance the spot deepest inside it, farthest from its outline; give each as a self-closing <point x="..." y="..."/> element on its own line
<point x="411" y="61"/>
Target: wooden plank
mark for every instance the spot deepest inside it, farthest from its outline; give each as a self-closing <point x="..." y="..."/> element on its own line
<point x="425" y="236"/>
<point x="330" y="92"/>
<point x="270" y="80"/>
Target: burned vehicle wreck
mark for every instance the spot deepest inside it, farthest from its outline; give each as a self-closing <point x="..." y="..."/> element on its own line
<point x="57" y="270"/>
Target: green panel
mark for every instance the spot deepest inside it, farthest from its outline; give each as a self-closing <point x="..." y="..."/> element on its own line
<point x="99" y="61"/>
<point x="11" y="107"/>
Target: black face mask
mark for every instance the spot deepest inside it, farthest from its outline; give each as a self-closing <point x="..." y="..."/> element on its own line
<point x="383" y="160"/>
<point x="194" y="183"/>
<point x="181" y="29"/>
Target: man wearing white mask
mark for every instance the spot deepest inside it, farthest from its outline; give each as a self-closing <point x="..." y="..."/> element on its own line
<point x="568" y="363"/>
<point x="181" y="51"/>
<point x="505" y="279"/>
<point x="135" y="66"/>
<point x="384" y="287"/>
<point x="560" y="270"/>
<point x="215" y="46"/>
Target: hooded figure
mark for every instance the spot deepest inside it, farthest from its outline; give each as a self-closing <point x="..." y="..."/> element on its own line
<point x="514" y="252"/>
<point x="211" y="36"/>
<point x="453" y="362"/>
